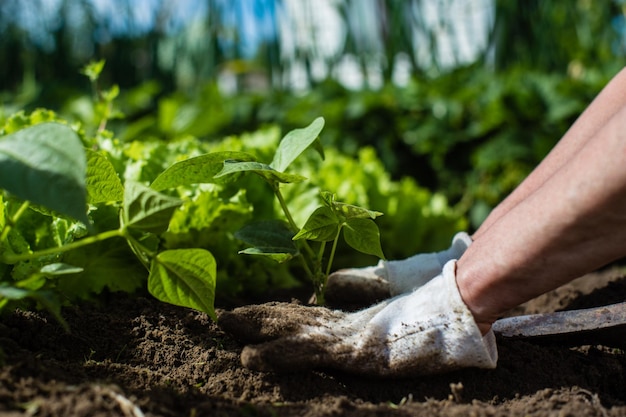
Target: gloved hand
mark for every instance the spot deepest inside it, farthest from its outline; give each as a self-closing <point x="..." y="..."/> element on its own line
<point x="363" y="286"/>
<point x="429" y="330"/>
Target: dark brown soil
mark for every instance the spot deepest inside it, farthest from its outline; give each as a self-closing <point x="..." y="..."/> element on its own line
<point x="133" y="357"/>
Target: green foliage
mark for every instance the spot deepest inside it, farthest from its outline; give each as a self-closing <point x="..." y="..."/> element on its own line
<point x="271" y="238"/>
<point x="470" y="135"/>
<point x="46" y="164"/>
<point x="48" y="178"/>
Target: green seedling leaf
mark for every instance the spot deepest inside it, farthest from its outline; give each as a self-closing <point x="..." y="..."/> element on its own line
<point x="364" y="236"/>
<point x="147" y="210"/>
<point x="103" y="184"/>
<point x="348" y="211"/>
<point x="296" y="142"/>
<point x="197" y="170"/>
<point x="46" y="164"/>
<point x="271" y="238"/>
<point x="321" y="226"/>
<point x="267" y="172"/>
<point x="185" y="277"/>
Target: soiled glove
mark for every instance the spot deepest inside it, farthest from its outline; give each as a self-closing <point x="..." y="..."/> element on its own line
<point x="429" y="330"/>
<point x="362" y="286"/>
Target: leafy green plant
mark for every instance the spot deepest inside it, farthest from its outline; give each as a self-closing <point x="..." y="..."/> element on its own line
<point x="172" y="215"/>
<point x="47" y="165"/>
<point x="282" y="239"/>
<point x="48" y="171"/>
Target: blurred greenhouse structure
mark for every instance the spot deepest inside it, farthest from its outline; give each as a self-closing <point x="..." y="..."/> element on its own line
<point x="295" y="44"/>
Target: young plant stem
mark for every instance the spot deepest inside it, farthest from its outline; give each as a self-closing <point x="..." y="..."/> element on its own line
<point x="14" y="258"/>
<point x="292" y="223"/>
<point x="143" y="254"/>
<point x="316" y="275"/>
<point x="333" y="249"/>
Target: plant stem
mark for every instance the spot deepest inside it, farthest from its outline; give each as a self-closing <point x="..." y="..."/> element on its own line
<point x="11" y="258"/>
<point x="331" y="257"/>
<point x="292" y="223"/>
<point x="283" y="205"/>
<point x="143" y="254"/>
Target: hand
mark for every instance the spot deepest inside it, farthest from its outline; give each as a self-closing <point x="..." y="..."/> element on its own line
<point x="429" y="330"/>
<point x="364" y="286"/>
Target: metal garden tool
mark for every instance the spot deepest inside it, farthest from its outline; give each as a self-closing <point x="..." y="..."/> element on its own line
<point x="592" y="326"/>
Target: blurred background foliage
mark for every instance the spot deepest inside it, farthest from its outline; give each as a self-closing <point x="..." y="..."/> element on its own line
<point x="463" y="97"/>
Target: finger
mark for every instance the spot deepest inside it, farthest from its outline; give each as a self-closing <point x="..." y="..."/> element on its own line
<point x="258" y="323"/>
<point x="319" y="350"/>
<point x="287" y="355"/>
<point x="349" y="289"/>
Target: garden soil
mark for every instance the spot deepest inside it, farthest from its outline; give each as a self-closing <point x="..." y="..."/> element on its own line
<point x="133" y="356"/>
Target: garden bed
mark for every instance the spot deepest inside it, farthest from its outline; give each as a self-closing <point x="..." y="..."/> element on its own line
<point x="137" y="356"/>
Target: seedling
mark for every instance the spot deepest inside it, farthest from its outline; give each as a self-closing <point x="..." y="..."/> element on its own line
<point x="282" y="239"/>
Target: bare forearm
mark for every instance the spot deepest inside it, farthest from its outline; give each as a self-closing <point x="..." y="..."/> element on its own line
<point x="571" y="224"/>
<point x="603" y="108"/>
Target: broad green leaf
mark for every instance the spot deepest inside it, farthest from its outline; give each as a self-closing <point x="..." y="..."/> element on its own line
<point x="267" y="172"/>
<point x="185" y="277"/>
<point x="364" y="236"/>
<point x="322" y="226"/>
<point x="296" y="142"/>
<point x="103" y="184"/>
<point x="147" y="210"/>
<point x="270" y="238"/>
<point x="200" y="169"/>
<point x="46" y="164"/>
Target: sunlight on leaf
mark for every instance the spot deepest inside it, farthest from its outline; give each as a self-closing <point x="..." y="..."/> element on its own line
<point x="46" y="164"/>
<point x="364" y="236"/>
<point x="296" y="142"/>
<point x="197" y="170"/>
<point x="103" y="184"/>
<point x="267" y="172"/>
<point x="322" y="226"/>
<point x="185" y="277"/>
<point x="146" y="209"/>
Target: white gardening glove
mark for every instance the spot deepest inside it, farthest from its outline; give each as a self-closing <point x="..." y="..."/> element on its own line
<point x="362" y="286"/>
<point x="429" y="330"/>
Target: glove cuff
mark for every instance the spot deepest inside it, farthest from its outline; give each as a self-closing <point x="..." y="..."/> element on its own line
<point x="460" y="242"/>
<point x="408" y="274"/>
<point x="466" y="345"/>
<point x="434" y="331"/>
